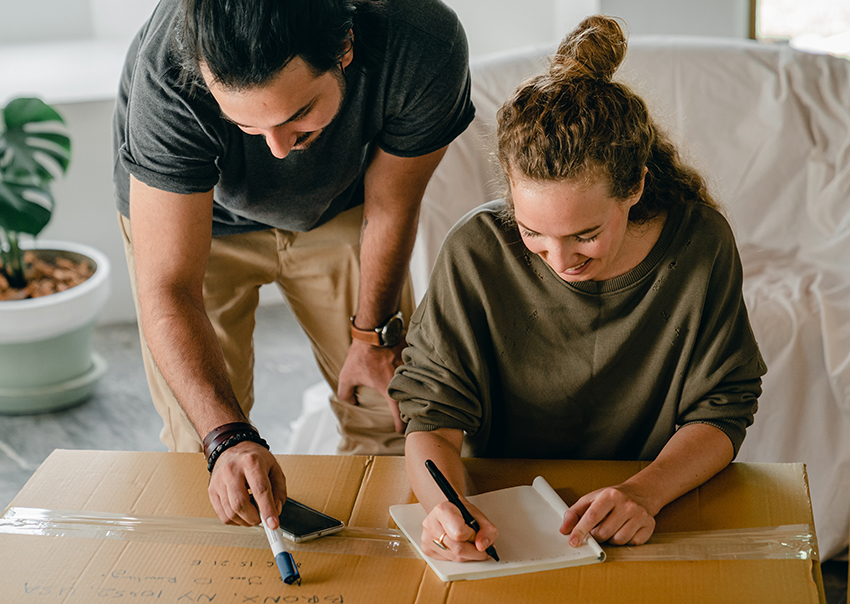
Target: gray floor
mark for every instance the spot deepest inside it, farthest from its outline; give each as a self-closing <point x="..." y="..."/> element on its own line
<point x="120" y="415"/>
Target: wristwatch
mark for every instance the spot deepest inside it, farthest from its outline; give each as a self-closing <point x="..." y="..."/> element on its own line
<point x="386" y="335"/>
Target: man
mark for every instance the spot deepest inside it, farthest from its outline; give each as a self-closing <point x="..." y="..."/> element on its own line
<point x="284" y="141"/>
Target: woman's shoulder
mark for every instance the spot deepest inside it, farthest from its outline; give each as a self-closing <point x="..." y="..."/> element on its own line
<point x="710" y="222"/>
<point x="706" y="230"/>
<point x="483" y="240"/>
<point x="485" y="222"/>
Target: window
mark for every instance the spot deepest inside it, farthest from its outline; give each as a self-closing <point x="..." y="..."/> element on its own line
<point x="812" y="25"/>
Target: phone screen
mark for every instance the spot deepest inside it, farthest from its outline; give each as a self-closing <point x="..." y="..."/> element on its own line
<point x="300" y="523"/>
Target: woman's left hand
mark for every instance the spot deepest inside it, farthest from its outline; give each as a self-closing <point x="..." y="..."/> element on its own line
<point x="617" y="514"/>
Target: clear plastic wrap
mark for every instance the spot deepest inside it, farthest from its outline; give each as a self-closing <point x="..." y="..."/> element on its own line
<point x="789" y="542"/>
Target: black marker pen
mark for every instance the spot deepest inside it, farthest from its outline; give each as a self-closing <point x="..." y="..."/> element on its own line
<point x="450" y="494"/>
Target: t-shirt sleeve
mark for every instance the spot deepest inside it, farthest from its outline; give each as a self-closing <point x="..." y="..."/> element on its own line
<point x="724" y="375"/>
<point x="170" y="142"/>
<point x="431" y="100"/>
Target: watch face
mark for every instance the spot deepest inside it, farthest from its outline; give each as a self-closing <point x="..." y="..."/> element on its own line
<point x="392" y="332"/>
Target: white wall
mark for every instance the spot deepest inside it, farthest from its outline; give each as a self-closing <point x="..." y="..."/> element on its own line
<point x="79" y="47"/>
<point x="44" y="20"/>
<point x="32" y="21"/>
<point x="119" y="19"/>
<point x="494" y="25"/>
<point x="723" y="18"/>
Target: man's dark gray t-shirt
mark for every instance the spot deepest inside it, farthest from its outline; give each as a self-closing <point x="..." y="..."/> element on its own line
<point x="414" y="100"/>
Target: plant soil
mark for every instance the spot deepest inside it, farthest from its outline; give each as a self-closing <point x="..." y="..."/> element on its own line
<point x="45" y="278"/>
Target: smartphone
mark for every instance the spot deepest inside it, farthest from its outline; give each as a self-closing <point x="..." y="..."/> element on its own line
<point x="301" y="523"/>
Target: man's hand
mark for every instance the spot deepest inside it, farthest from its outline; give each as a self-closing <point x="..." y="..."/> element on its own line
<point x="242" y="467"/>
<point x="374" y="367"/>
<point x="616" y="514"/>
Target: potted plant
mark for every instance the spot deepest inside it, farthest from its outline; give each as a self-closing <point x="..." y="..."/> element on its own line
<point x="50" y="292"/>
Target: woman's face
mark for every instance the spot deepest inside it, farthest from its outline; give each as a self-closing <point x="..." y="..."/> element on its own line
<point x="574" y="226"/>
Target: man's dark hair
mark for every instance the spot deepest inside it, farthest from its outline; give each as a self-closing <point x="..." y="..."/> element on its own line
<point x="245" y="43"/>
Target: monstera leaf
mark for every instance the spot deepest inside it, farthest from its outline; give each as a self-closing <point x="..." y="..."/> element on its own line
<point x="34" y="149"/>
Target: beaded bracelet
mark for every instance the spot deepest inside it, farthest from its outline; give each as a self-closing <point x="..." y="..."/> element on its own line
<point x="235" y="439"/>
<point x="218" y="435"/>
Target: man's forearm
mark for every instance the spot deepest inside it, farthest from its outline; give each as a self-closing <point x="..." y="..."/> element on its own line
<point x="171" y="241"/>
<point x="394" y="188"/>
<point x="184" y="345"/>
<point x="386" y="245"/>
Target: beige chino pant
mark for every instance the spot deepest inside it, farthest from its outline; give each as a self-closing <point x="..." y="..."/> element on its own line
<point x="318" y="273"/>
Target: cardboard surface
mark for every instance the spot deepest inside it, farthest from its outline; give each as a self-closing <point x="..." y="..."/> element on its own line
<point x="742" y="496"/>
<point x="359" y="490"/>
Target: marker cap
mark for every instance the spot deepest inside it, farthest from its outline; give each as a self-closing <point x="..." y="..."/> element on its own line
<point x="288" y="570"/>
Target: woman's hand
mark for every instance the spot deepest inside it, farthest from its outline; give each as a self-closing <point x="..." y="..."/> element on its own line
<point x="625" y="513"/>
<point x="618" y="514"/>
<point x="445" y="524"/>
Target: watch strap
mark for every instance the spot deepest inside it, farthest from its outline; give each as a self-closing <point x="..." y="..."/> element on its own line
<point x="375" y="336"/>
<point x="370" y="336"/>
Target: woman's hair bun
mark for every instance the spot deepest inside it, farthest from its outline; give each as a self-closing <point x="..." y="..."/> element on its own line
<point x="594" y="49"/>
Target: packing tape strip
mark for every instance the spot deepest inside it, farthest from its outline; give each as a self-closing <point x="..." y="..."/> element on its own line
<point x="788" y="542"/>
<point x="195" y="531"/>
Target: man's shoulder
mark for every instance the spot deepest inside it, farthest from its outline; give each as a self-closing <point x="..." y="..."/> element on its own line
<point x="427" y="19"/>
<point x="153" y="58"/>
<point x="158" y="33"/>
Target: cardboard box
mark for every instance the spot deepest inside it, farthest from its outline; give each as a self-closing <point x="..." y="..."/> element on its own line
<point x="359" y="490"/>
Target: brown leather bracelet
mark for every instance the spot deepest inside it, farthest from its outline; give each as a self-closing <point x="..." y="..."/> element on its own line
<point x="234" y="437"/>
<point x="216" y="436"/>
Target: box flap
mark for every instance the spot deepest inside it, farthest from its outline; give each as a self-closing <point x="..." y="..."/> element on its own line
<point x="175" y="484"/>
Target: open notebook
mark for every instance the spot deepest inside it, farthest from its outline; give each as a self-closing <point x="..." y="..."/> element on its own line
<point x="528" y="519"/>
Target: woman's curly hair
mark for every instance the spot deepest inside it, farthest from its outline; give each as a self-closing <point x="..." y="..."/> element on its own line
<point x="575" y="122"/>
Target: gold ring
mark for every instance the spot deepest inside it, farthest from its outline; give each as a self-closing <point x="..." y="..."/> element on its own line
<point x="440" y="543"/>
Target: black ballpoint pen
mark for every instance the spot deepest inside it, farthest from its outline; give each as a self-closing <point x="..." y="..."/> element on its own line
<point x="450" y="494"/>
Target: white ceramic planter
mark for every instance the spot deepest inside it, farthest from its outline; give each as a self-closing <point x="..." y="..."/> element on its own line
<point x="46" y="357"/>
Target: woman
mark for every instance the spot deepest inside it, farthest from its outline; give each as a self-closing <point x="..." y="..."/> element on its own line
<point x="596" y="313"/>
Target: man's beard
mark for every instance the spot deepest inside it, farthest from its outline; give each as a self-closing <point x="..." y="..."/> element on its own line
<point x="339" y="75"/>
